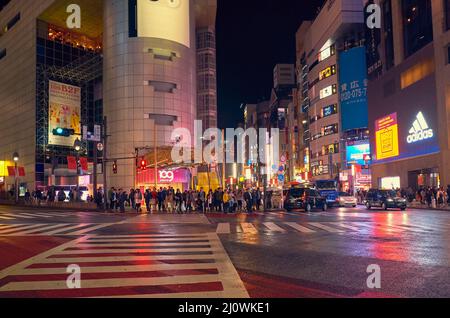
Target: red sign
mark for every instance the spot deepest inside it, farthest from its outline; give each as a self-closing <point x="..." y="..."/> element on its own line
<point x="71" y="163"/>
<point x="84" y="164"/>
<point x="12" y="171"/>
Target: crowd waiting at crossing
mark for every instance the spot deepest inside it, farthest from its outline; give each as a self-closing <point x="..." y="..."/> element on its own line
<point x="169" y="200"/>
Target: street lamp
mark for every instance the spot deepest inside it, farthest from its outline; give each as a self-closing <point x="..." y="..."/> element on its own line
<point x="77" y="146"/>
<point x="16" y="183"/>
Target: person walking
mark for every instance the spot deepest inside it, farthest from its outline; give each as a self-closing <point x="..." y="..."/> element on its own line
<point x="248" y="200"/>
<point x="132" y="199"/>
<point x="122" y="198"/>
<point x="202" y="200"/>
<point x="148" y="198"/>
<point x="138" y="200"/>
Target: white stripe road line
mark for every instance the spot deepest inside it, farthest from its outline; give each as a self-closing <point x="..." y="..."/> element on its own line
<point x="326" y="228"/>
<point x="180" y="236"/>
<point x="119" y="269"/>
<point x="223" y="228"/>
<point x="143" y="245"/>
<point x="40" y="229"/>
<point x="141" y="240"/>
<point x="273" y="227"/>
<point x="77" y="260"/>
<point x="29" y="214"/>
<point x="299" y="227"/>
<point x="6" y="218"/>
<point x="23" y="216"/>
<point x="248" y="228"/>
<point x="90" y="229"/>
<point x="110" y="283"/>
<point x="20" y="228"/>
<point x="346" y="226"/>
<point x="175" y="249"/>
<point x="195" y="295"/>
<point x="66" y="229"/>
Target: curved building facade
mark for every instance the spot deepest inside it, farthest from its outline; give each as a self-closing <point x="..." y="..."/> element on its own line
<point x="145" y="75"/>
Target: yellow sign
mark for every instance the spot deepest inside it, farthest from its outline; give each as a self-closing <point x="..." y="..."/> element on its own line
<point x="387" y="137"/>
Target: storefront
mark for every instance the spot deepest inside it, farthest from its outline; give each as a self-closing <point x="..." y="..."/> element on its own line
<point x="176" y="178"/>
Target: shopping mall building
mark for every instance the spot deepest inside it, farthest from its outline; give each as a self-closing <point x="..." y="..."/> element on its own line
<point x="147" y="66"/>
<point x="409" y="94"/>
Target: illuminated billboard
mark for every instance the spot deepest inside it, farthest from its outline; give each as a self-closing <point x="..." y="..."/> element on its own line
<point x="387" y="137"/>
<point x="358" y="153"/>
<point x="164" y="19"/>
<point x="64" y="112"/>
<point x="353" y="89"/>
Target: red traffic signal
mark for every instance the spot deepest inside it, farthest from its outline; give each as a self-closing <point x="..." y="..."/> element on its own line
<point x="143" y="164"/>
<point x="115" y="167"/>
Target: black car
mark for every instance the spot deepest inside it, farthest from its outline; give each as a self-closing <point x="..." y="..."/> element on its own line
<point x="304" y="198"/>
<point x="385" y="199"/>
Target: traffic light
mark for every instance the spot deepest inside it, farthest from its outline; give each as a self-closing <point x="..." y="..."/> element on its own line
<point x="115" y="167"/>
<point x="63" y="132"/>
<point x="143" y="164"/>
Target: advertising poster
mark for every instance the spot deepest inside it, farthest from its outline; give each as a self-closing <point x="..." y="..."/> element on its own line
<point x="64" y="112"/>
<point x="164" y="19"/>
<point x="353" y="89"/>
<point x="387" y="142"/>
<point x="357" y="153"/>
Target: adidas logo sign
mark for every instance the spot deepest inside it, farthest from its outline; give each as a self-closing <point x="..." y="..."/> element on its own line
<point x="420" y="130"/>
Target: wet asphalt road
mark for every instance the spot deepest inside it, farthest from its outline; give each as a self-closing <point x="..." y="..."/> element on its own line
<point x="275" y="254"/>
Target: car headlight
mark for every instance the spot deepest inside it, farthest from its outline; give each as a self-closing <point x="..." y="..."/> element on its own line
<point x="390" y="200"/>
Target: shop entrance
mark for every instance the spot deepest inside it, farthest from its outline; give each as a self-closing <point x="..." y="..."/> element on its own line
<point x="424" y="178"/>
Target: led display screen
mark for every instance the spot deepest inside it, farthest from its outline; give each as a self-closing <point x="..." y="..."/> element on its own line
<point x="358" y="153"/>
<point x="164" y="19"/>
<point x="386" y="132"/>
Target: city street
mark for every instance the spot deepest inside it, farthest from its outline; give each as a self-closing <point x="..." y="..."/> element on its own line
<point x="276" y="254"/>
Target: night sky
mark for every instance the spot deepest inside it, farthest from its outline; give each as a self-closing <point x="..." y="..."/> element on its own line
<point x="253" y="36"/>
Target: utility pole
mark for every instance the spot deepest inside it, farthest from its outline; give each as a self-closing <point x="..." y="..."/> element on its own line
<point x="105" y="155"/>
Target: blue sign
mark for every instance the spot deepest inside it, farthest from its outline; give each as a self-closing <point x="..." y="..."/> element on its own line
<point x="353" y="89"/>
<point x="358" y="153"/>
<point x="281" y="178"/>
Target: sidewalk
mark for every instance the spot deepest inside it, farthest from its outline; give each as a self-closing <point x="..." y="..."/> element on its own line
<point x="419" y="206"/>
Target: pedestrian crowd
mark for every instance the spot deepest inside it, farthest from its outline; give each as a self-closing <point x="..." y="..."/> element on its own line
<point x="169" y="200"/>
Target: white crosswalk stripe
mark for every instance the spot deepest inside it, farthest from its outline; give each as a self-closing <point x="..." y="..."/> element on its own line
<point x="64" y="229"/>
<point x="326" y="227"/>
<point x="223" y="228"/>
<point x="248" y="228"/>
<point x="274" y="228"/>
<point x="177" y="270"/>
<point x="299" y="227"/>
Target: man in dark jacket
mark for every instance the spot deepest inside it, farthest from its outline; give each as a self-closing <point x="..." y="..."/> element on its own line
<point x="249" y="200"/>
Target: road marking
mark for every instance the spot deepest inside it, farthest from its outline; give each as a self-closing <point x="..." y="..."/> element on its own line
<point x="66" y="229"/>
<point x="42" y="229"/>
<point x="248" y="228"/>
<point x="223" y="228"/>
<point x="346" y="226"/>
<point x="273" y="227"/>
<point x="6" y="218"/>
<point x="299" y="227"/>
<point x="325" y="227"/>
<point x="90" y="229"/>
<point x="177" y="275"/>
<point x="20" y="228"/>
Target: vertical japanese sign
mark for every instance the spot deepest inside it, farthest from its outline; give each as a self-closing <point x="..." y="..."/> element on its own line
<point x="64" y="112"/>
<point x="353" y="89"/>
<point x="386" y="134"/>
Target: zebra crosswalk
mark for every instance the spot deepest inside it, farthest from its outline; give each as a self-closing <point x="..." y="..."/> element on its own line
<point x="64" y="229"/>
<point x="23" y="216"/>
<point x="324" y="227"/>
<point x="163" y="265"/>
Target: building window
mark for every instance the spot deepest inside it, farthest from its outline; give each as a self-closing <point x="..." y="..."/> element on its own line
<point x="418" y="25"/>
<point x="417" y="72"/>
<point x="389" y="34"/>
<point x="447" y="14"/>
<point x="330" y="130"/>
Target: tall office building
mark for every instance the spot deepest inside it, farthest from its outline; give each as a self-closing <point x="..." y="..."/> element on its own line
<point x="149" y="66"/>
<point x="409" y="95"/>
<point x="331" y="95"/>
